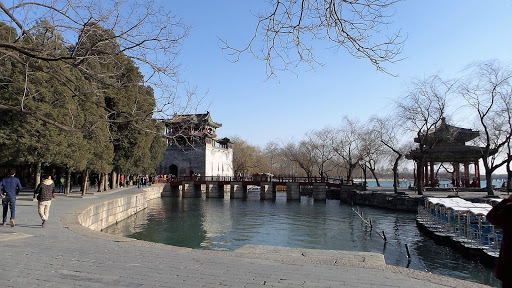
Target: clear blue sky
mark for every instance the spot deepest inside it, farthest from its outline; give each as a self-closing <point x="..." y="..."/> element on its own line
<point x="442" y="38"/>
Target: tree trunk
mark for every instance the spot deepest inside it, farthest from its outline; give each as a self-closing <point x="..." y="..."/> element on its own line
<point x="105" y="184"/>
<point x="421" y="162"/>
<point x="375" y="177"/>
<point x="114" y="180"/>
<point x="419" y="176"/>
<point x="509" y="174"/>
<point x="85" y="179"/>
<point x="414" y="176"/>
<point x="488" y="176"/>
<point x="350" y="170"/>
<point x="101" y="182"/>
<point x="68" y="181"/>
<point x="488" y="184"/>
<point x="395" y="174"/>
<point x="37" y="179"/>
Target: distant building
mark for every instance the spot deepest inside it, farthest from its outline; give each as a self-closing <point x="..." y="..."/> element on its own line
<point x="194" y="149"/>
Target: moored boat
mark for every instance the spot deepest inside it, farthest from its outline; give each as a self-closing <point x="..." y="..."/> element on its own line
<point x="462" y="225"/>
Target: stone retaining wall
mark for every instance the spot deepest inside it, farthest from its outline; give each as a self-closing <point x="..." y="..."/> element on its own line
<point x="102" y="215"/>
<point x="381" y="200"/>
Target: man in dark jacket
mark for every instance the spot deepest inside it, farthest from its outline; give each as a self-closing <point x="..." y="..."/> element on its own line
<point x="10" y="187"/>
<point x="44" y="194"/>
<point x="501" y="216"/>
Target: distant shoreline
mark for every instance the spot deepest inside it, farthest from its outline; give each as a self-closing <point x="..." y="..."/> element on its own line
<point x="497" y="177"/>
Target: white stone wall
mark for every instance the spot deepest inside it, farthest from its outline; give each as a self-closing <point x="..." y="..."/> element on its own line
<point x="219" y="161"/>
<point x="102" y="215"/>
<point x="205" y="160"/>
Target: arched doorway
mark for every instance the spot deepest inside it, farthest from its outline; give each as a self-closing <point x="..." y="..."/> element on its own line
<point x="173" y="170"/>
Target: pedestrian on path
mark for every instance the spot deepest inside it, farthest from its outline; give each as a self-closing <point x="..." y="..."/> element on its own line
<point x="45" y="192"/>
<point x="10" y="186"/>
<point x="62" y="184"/>
<point x="501" y="216"/>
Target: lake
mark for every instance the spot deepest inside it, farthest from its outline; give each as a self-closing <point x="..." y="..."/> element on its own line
<point x="224" y="224"/>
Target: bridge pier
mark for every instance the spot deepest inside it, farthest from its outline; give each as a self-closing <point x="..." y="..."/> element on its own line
<point x="166" y="191"/>
<point x="227" y="191"/>
<point x="238" y="191"/>
<point x="176" y="191"/>
<point x="214" y="190"/>
<point x="319" y="191"/>
<point x="171" y="191"/>
<point x="191" y="190"/>
<point x="267" y="191"/>
<point x="292" y="191"/>
<point x="202" y="187"/>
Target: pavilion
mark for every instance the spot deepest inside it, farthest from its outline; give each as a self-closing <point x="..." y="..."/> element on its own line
<point x="448" y="145"/>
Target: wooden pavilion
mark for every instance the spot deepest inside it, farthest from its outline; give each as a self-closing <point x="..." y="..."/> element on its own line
<point x="448" y="144"/>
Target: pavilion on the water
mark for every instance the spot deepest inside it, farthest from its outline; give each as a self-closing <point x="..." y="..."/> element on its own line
<point x="448" y="145"/>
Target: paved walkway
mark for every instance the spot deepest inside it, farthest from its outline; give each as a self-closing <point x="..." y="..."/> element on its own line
<point x="65" y="254"/>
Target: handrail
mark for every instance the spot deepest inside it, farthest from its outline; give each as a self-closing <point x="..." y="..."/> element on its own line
<point x="258" y="179"/>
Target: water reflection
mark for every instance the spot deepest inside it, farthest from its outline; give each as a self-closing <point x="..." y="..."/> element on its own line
<point x="224" y="224"/>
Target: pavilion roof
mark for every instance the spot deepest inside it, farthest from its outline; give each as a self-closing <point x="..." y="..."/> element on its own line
<point x="448" y="134"/>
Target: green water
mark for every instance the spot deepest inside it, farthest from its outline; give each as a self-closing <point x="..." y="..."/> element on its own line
<point x="223" y="224"/>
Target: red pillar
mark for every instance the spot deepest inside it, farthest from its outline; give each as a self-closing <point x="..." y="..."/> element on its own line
<point x="425" y="177"/>
<point x="456" y="168"/>
<point x="466" y="174"/>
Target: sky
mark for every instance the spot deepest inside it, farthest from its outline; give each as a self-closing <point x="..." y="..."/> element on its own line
<point x="443" y="37"/>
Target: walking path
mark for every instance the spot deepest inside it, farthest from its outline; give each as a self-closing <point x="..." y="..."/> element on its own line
<point x="65" y="254"/>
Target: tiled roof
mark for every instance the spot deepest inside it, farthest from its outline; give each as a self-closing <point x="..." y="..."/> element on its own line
<point x="445" y="133"/>
<point x="204" y="119"/>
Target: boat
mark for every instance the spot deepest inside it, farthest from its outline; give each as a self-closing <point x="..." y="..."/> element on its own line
<point x="254" y="190"/>
<point x="462" y="225"/>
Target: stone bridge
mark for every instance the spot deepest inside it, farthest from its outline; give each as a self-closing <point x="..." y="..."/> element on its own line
<point x="237" y="187"/>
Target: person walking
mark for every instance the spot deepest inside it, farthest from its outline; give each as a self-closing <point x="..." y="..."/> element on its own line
<point x="45" y="192"/>
<point x="10" y="187"/>
<point x="501" y="216"/>
<point x="62" y="184"/>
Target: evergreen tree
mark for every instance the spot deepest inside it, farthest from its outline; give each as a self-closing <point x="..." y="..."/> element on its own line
<point x="104" y="117"/>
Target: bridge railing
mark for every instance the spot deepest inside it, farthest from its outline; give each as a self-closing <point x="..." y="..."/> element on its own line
<point x="255" y="179"/>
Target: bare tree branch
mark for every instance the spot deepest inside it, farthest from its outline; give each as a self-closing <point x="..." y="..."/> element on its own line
<point x="144" y="32"/>
<point x="284" y="37"/>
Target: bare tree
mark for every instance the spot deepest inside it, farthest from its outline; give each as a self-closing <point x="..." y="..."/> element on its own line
<point x="246" y="157"/>
<point x="347" y="146"/>
<point x="301" y="154"/>
<point x="271" y="155"/>
<point x="285" y="35"/>
<point x="488" y="91"/>
<point x="322" y="149"/>
<point x="421" y="110"/>
<point x="372" y="149"/>
<point x="386" y="131"/>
